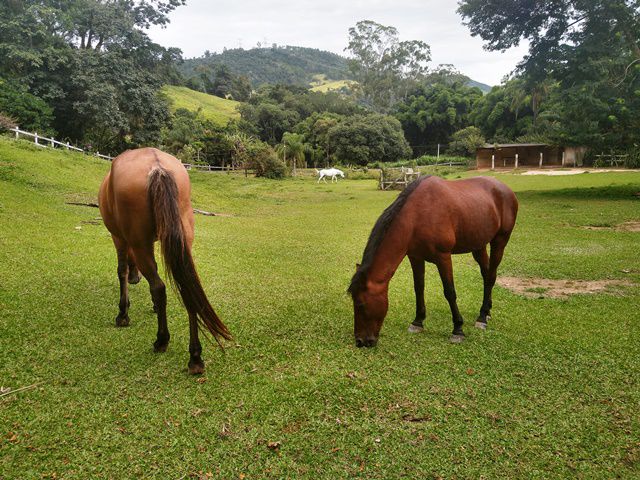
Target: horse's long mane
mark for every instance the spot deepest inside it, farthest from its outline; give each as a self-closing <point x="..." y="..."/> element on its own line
<point x="377" y="235"/>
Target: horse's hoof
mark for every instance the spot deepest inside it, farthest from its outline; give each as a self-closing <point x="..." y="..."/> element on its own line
<point x="456" y="338"/>
<point x="196" y="367"/>
<point x="415" y="329"/>
<point x="122" y="321"/>
<point x="160" y="347"/>
<point x="481" y="325"/>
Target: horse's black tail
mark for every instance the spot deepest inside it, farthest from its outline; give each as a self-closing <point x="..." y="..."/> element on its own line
<point x="163" y="198"/>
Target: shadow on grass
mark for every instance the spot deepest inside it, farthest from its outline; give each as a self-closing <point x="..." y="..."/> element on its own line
<point x="610" y="192"/>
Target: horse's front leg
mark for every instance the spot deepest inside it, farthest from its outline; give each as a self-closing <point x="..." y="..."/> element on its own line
<point x="417" y="265"/>
<point x="445" y="268"/>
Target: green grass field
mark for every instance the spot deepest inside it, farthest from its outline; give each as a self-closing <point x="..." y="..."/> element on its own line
<point x="324" y="85"/>
<point x="550" y="390"/>
<point x="219" y="110"/>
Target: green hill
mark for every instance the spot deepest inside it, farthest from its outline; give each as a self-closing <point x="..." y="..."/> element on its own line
<point x="218" y="110"/>
<point x="482" y="86"/>
<point x="289" y="65"/>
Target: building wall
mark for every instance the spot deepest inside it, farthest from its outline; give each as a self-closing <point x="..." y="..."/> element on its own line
<point x="527" y="156"/>
<point x="574" y="156"/>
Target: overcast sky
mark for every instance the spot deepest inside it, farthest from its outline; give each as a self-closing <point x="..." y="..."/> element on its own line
<point x="211" y="25"/>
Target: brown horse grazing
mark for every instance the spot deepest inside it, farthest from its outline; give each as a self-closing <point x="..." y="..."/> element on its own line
<point x="430" y="220"/>
<point x="146" y="197"/>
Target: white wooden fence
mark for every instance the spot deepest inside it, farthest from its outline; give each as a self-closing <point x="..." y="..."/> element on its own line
<point x="53" y="143"/>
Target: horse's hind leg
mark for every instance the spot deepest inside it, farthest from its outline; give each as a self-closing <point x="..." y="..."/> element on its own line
<point x="196" y="365"/>
<point x="134" y="273"/>
<point x="417" y="265"/>
<point x="445" y="268"/>
<point x="147" y="265"/>
<point x="485" y="310"/>
<point x="122" y="320"/>
<point x="498" y="245"/>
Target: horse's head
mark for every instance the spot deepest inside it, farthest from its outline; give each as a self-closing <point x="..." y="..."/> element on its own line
<point x="341" y="173"/>
<point x="370" y="304"/>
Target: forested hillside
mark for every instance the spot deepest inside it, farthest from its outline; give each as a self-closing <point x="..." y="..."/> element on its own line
<point x="289" y="65"/>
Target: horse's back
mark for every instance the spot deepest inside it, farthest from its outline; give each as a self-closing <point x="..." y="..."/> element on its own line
<point x="124" y="199"/>
<point x="460" y="215"/>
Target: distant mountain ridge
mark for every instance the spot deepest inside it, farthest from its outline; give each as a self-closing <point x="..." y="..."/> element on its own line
<point x="289" y="65"/>
<point x="282" y="64"/>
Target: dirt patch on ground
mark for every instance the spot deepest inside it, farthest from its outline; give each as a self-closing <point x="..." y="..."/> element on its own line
<point x="632" y="226"/>
<point x="574" y="171"/>
<point x="545" y="288"/>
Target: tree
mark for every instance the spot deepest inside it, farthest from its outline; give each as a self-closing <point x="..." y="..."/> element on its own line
<point x="223" y="81"/>
<point x="93" y="64"/>
<point x="292" y="149"/>
<point x="30" y="112"/>
<point x="465" y="142"/>
<point x="362" y="139"/>
<point x="433" y="112"/>
<point x="384" y="67"/>
<point x="270" y="120"/>
<point x="583" y="62"/>
<point x="315" y="130"/>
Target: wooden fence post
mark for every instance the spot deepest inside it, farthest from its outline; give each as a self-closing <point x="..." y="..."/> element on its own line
<point x="516" y="165"/>
<point x="493" y="162"/>
<point x="540" y="160"/>
<point x="35" y="139"/>
<point x="17" y="133"/>
<point x="563" y="158"/>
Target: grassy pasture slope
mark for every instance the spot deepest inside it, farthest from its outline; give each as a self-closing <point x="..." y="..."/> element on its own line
<point x="551" y="390"/>
<point x="218" y="110"/>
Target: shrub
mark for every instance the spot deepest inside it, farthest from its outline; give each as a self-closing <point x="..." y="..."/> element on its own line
<point x="263" y="159"/>
<point x="7" y="122"/>
<point x="465" y="142"/>
<point x="30" y="112"/>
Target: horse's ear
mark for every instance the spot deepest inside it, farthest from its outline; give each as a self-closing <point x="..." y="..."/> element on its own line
<point x="357" y="266"/>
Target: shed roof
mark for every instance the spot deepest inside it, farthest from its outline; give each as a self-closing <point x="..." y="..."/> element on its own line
<point x="511" y="145"/>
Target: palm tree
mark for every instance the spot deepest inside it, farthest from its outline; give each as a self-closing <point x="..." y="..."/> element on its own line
<point x="240" y="142"/>
<point x="293" y="148"/>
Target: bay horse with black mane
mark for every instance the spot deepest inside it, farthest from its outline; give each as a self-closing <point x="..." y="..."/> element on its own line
<point x="429" y="221"/>
<point x="146" y="197"/>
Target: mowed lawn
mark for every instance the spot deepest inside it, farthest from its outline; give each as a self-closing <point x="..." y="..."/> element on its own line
<point x="550" y="390"/>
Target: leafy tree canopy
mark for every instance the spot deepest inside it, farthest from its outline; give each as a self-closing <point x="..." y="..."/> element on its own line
<point x="432" y="113"/>
<point x="583" y="66"/>
<point x="93" y="64"/>
<point x="384" y="66"/>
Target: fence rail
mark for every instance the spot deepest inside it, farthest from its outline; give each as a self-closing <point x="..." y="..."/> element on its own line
<point x="208" y="168"/>
<point x="52" y="142"/>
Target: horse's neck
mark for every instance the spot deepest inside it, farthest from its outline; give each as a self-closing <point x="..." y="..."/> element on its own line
<point x="389" y="255"/>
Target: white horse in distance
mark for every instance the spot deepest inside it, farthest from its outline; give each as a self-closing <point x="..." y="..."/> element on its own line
<point x="329" y="172"/>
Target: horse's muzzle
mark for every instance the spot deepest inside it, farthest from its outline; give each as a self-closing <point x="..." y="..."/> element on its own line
<point x="366" y="342"/>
